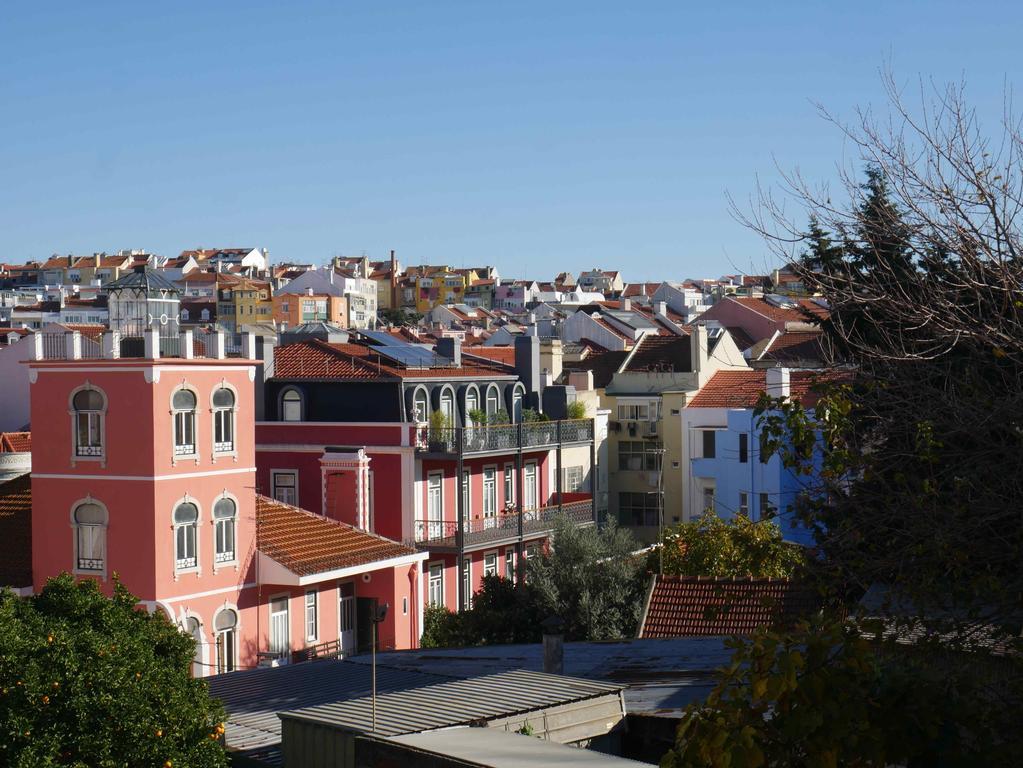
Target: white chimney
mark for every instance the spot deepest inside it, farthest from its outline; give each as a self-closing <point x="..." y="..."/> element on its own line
<point x="627" y="305"/>
<point x="661" y="308"/>
<point x="778" y="382"/>
<point x="698" y="349"/>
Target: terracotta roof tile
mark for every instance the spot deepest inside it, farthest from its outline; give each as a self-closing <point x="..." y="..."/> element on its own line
<point x="15" y="442"/>
<point x="307" y="544"/>
<point x="16" y="532"/>
<point x="504" y="355"/>
<point x="796" y="314"/>
<point x="796" y="346"/>
<point x="742" y="389"/>
<point x="662" y="353"/>
<point x="685" y="606"/>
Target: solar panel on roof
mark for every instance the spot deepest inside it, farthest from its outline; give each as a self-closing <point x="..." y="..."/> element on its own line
<point x="410" y="356"/>
<point x="381" y="338"/>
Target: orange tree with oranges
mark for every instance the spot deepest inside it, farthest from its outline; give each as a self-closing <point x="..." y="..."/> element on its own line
<point x="91" y="680"/>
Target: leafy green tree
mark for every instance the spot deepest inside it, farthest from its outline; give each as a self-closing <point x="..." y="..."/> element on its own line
<point x="576" y="410"/>
<point x="87" y="680"/>
<point x="591" y="578"/>
<point x="712" y="546"/>
<point x="823" y="696"/>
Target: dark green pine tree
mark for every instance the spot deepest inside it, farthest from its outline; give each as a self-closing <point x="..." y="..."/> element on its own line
<point x="822" y="254"/>
<point x="883" y="238"/>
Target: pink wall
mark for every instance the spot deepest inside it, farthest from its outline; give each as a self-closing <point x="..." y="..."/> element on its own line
<point x="729" y="312"/>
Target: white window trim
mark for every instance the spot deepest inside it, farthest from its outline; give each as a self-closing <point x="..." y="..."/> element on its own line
<point x="102" y="573"/>
<point x="273" y="484"/>
<point x="196" y="439"/>
<point x="102" y="456"/>
<point x="286" y="596"/>
<point x="217" y="564"/>
<point x="197" y="568"/>
<point x="301" y="405"/>
<point x="236" y="629"/>
<point x="420" y="389"/>
<point x="233" y="451"/>
<point x="429" y="568"/>
<point x="490" y="468"/>
<point x="510" y="499"/>
<point x="497" y="561"/>
<point x="314" y="637"/>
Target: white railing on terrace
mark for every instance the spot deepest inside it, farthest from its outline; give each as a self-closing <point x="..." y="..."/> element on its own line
<point x="152" y="345"/>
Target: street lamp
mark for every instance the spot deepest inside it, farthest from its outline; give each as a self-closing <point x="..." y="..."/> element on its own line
<point x="379" y="614"/>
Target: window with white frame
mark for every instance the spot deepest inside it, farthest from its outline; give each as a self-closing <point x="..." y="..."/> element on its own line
<point x="223" y="420"/>
<point x="186" y="524"/>
<point x="284" y="486"/>
<point x="472" y="402"/>
<point x="90" y="537"/>
<point x="434" y="504"/>
<point x="517" y="394"/>
<point x="766" y="508"/>
<point x="490" y="564"/>
<point x="225" y="513"/>
<point x="509" y="564"/>
<point x="573" y="479"/>
<point x="280" y="637"/>
<point x="489" y="491"/>
<point x="530" y="492"/>
<point x="436" y="593"/>
<point x="466" y="495"/>
<point x="183" y="408"/>
<point x="420" y="405"/>
<point x="509" y="485"/>
<point x="633" y="412"/>
<point x="466" y="582"/>
<point x="311" y="610"/>
<point x="89" y="407"/>
<point x="291" y="405"/>
<point x="225" y="627"/>
<point x="493" y="401"/>
<point x="447" y="405"/>
<point x="709" y="489"/>
<point x="743" y="503"/>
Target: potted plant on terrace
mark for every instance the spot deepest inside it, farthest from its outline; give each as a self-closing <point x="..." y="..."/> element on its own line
<point x="440" y="432"/>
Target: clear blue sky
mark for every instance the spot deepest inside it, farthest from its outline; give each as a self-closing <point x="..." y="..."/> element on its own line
<point x="534" y="136"/>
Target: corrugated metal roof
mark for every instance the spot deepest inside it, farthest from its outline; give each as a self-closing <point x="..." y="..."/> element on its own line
<point x="458" y="702"/>
<point x="662" y="675"/>
<point x="496" y="749"/>
<point x="253" y="697"/>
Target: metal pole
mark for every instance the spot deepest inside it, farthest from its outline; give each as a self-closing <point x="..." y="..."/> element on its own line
<point x="374" y="666"/>
<point x="460" y="532"/>
<point x="560" y="481"/>
<point x="593" y="470"/>
<point x="519" y="549"/>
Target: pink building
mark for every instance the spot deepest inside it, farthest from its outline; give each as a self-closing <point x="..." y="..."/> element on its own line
<point x="147" y="471"/>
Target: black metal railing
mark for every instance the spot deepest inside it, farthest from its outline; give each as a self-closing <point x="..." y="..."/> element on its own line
<point x="503" y="437"/>
<point x="484" y="530"/>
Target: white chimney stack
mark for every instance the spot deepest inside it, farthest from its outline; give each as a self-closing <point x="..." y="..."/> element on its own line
<point x="627" y="305"/>
<point x="778" y="382"/>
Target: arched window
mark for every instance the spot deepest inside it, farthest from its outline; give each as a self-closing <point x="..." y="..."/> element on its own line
<point x="447" y="404"/>
<point x="420" y="405"/>
<point x="291" y="405"/>
<point x="186" y="519"/>
<point x="183" y="406"/>
<point x="517" y="393"/>
<point x="183" y="315"/>
<point x="88" y="406"/>
<point x="90" y="537"/>
<point x="223" y="420"/>
<point x="224" y="515"/>
<point x="194" y="628"/>
<point x="493" y="400"/>
<point x="225" y="627"/>
<point x="472" y="402"/>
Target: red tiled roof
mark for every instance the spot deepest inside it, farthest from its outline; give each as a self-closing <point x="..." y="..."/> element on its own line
<point x="742" y="389"/>
<point x="16" y="532"/>
<point x="504" y="355"/>
<point x="796" y="346"/>
<point x="57" y="262"/>
<point x="662" y="353"/>
<point x="686" y="606"/>
<point x="640" y="289"/>
<point x="15" y="442"/>
<point x="307" y="544"/>
<point x="90" y="331"/>
<point x="767" y="309"/>
<point x="605" y="324"/>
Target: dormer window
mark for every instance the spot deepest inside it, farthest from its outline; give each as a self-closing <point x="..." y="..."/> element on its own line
<point x="183" y="407"/>
<point x="223" y="420"/>
<point x="88" y="405"/>
<point x="291" y="405"/>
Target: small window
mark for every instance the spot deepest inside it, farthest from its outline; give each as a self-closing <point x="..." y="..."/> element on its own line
<point x="291" y="406"/>
<point x="466" y="582"/>
<point x="225" y="627"/>
<point x="88" y="407"/>
<point x="573" y="479"/>
<point x="766" y="508"/>
<point x="183" y="406"/>
<point x="223" y="420"/>
<point x="743" y="447"/>
<point x="708" y="497"/>
<point x="490" y="564"/>
<point x="744" y="503"/>
<point x="186" y="518"/>
<point x="224" y="516"/>
<point x="509" y="486"/>
<point x="311" y="603"/>
<point x="420" y="405"/>
<point x="436" y="590"/>
<point x="90" y="537"/>
<point x="709" y="444"/>
<point x="285" y="487"/>
<point x="509" y="564"/>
